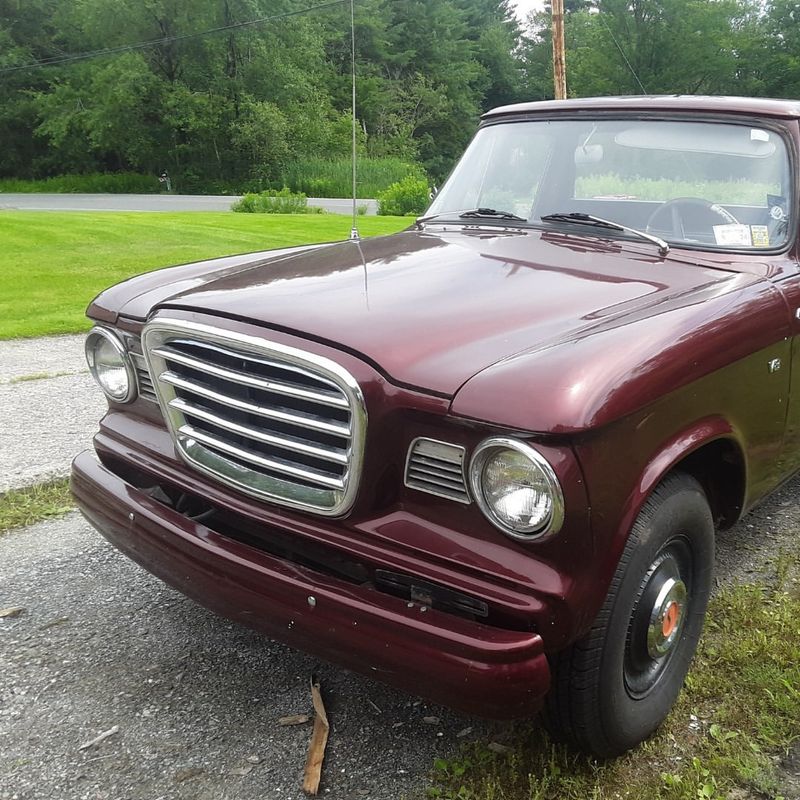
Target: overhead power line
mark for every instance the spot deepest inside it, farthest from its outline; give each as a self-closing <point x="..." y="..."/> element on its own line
<point x="622" y="53"/>
<point x="125" y="48"/>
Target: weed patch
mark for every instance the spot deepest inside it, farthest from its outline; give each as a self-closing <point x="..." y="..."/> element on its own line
<point x="21" y="507"/>
<point x="283" y="201"/>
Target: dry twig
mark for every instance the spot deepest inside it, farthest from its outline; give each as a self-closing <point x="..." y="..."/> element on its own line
<point x="319" y="738"/>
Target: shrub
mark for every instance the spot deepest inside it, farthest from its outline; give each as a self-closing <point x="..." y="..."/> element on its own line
<point x="274" y="202"/>
<point x="407" y="197"/>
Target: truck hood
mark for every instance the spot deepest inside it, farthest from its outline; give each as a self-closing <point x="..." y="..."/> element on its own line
<point x="432" y="308"/>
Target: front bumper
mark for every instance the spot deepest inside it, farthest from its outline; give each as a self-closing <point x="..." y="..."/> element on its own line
<point x="475" y="668"/>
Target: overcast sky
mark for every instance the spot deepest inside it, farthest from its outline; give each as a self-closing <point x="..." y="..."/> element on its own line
<point x="524" y="7"/>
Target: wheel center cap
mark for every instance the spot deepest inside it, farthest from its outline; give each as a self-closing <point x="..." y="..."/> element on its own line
<point x="666" y="618"/>
<point x="671" y="618"/>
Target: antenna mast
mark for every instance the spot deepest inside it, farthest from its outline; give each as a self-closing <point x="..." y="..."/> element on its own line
<point x="354" y="230"/>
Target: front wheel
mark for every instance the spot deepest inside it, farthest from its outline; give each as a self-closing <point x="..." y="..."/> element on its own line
<point x="615" y="686"/>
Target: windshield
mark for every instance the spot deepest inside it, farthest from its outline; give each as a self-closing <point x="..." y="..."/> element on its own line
<point x="701" y="184"/>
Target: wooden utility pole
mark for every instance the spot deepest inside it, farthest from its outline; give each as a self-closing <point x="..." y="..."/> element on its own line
<point x="559" y="61"/>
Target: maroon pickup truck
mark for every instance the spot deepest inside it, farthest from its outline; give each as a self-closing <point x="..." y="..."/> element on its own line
<point x="483" y="459"/>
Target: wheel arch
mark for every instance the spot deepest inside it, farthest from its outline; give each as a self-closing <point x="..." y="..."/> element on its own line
<point x="711" y="452"/>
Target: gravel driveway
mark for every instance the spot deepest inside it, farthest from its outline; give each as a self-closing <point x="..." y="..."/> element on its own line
<point x="44" y="421"/>
<point x="101" y="644"/>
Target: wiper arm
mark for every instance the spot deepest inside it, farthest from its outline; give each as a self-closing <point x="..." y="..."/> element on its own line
<point x="490" y="213"/>
<point x="486" y="213"/>
<point x="599" y="222"/>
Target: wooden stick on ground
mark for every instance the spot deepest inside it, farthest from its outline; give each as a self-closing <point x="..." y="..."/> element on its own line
<point x="319" y="738"/>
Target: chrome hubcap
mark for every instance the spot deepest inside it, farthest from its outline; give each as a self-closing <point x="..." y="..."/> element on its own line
<point x="658" y="619"/>
<point x="666" y="618"/>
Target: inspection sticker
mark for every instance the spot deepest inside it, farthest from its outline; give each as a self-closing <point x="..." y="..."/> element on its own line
<point x="760" y="234"/>
<point x="733" y="235"/>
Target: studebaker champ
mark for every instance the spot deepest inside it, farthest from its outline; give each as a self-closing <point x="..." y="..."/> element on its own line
<point x="483" y="459"/>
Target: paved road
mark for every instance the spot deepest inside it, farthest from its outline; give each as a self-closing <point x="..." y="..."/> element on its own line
<point x="154" y="202"/>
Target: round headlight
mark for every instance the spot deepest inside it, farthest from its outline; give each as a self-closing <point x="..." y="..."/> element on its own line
<point x="110" y="365"/>
<point x="516" y="488"/>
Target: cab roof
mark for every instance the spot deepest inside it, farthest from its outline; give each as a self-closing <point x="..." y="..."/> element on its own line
<point x="750" y="106"/>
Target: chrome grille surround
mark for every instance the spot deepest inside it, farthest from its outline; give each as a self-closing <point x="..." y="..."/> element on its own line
<point x="272" y="421"/>
<point x="437" y="468"/>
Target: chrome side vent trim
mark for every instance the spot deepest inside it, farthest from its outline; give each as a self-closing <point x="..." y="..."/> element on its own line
<point x="146" y="389"/>
<point x="278" y="423"/>
<point x="437" y="468"/>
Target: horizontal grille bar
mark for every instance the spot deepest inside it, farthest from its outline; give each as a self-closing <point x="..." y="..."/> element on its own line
<point x="274" y="464"/>
<point x="438" y="464"/>
<point x="436" y="476"/>
<point x="336" y="400"/>
<point x="337" y="456"/>
<point x="296" y="418"/>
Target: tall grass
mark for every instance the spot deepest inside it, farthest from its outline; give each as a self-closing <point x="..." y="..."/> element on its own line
<point x="94" y="183"/>
<point x="314" y="177"/>
<point x="318" y="177"/>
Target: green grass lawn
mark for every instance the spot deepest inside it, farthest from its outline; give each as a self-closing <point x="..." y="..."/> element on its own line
<point x="53" y="263"/>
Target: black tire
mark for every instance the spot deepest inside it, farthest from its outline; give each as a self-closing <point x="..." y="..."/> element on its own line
<point x="608" y="692"/>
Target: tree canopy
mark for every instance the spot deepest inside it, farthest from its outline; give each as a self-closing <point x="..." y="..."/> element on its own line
<point x="218" y="103"/>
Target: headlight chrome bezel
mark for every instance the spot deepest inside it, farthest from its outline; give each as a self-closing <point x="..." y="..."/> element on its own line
<point x="477" y="463"/>
<point x="90" y="346"/>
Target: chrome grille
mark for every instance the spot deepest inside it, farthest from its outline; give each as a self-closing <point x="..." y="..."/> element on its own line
<point x="273" y="421"/>
<point x="437" y="468"/>
<point x="146" y="389"/>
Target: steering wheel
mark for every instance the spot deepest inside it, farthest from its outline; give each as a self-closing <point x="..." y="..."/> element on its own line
<point x="679" y="208"/>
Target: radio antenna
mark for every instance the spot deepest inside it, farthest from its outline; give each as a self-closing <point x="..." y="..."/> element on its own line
<point x="354" y="230"/>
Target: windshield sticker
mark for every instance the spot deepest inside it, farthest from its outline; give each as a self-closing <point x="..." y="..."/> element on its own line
<point x="733" y="235"/>
<point x="757" y="135"/>
<point x="760" y="234"/>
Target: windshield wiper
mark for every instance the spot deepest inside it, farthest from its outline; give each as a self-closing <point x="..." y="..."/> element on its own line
<point x="491" y="213"/>
<point x="599" y="222"/>
<point x="485" y="213"/>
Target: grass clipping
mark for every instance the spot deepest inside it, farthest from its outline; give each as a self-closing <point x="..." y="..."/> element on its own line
<point x="21" y="507"/>
<point x="738" y="716"/>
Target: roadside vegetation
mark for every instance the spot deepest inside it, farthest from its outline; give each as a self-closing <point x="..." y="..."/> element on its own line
<point x="53" y="264"/>
<point x="321" y="177"/>
<point x="408" y="197"/>
<point x="93" y="183"/>
<point x="738" y="716"/>
<point x="275" y="202"/>
<point x="255" y="107"/>
<point x="21" y="507"/>
<point x="314" y="177"/>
